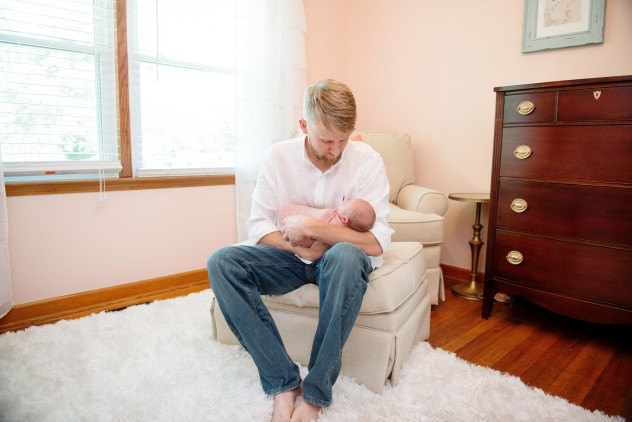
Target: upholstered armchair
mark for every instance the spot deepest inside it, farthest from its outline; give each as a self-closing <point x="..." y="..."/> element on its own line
<point x="395" y="311"/>
<point x="417" y="213"/>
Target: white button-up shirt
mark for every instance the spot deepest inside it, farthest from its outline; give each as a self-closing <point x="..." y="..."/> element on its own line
<point x="288" y="176"/>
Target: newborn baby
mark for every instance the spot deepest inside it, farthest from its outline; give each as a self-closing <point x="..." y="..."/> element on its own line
<point x="356" y="214"/>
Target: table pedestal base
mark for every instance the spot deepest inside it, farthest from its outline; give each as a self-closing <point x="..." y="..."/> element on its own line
<point x="470" y="291"/>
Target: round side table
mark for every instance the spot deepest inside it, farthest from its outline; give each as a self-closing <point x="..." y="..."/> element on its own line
<point x="472" y="291"/>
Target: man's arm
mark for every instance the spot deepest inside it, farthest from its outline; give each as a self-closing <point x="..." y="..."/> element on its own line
<point x="300" y="227"/>
<point x="276" y="239"/>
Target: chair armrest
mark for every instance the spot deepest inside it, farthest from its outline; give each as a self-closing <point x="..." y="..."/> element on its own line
<point x="423" y="200"/>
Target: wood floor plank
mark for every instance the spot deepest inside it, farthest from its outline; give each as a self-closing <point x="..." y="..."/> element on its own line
<point x="552" y="362"/>
<point x="458" y="322"/>
<point x="587" y="364"/>
<point x="526" y="353"/>
<point x="510" y="339"/>
<point x="577" y="380"/>
<point x="484" y="342"/>
<point x="611" y="392"/>
<point x="469" y="335"/>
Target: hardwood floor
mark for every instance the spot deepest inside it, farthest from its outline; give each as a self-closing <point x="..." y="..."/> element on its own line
<point x="587" y="364"/>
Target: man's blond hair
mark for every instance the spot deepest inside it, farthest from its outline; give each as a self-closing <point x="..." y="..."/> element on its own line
<point x="331" y="103"/>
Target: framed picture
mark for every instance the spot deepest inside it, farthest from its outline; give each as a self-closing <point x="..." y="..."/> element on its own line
<point x="550" y="24"/>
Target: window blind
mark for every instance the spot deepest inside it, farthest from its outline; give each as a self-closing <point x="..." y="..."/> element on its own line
<point x="182" y="86"/>
<point x="58" y="116"/>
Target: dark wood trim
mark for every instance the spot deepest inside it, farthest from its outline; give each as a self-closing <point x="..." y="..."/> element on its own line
<point x="125" y="137"/>
<point x="111" y="298"/>
<point x="130" y="183"/>
<point x="460" y="274"/>
<point x="567" y="83"/>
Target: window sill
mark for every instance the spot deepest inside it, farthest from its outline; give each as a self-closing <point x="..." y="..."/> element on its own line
<point x="128" y="183"/>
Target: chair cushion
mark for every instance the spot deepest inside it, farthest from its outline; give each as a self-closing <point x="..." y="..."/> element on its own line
<point x="389" y="285"/>
<point x="415" y="226"/>
<point x="397" y="155"/>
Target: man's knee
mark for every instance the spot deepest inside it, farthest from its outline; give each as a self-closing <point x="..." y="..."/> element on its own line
<point x="346" y="251"/>
<point x="346" y="255"/>
<point x="219" y="263"/>
<point x="347" y="260"/>
<point x="223" y="256"/>
<point x="213" y="261"/>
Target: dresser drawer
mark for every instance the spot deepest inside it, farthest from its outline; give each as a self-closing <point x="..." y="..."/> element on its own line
<point x="530" y="108"/>
<point x="594" y="104"/>
<point x="595" y="213"/>
<point x="585" y="271"/>
<point x="577" y="153"/>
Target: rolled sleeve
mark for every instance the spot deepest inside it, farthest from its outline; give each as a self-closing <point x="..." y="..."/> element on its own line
<point x="376" y="188"/>
<point x="265" y="206"/>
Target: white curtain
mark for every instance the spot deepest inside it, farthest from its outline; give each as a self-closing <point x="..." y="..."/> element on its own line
<point x="270" y="83"/>
<point x="6" y="293"/>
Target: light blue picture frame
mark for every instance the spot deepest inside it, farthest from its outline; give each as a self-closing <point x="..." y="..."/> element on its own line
<point x="594" y="21"/>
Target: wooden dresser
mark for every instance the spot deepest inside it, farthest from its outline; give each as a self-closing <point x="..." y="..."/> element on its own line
<point x="560" y="221"/>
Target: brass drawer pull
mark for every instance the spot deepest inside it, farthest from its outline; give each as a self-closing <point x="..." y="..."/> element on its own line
<point x="522" y="152"/>
<point x="518" y="205"/>
<point x="525" y="108"/>
<point x="514" y="257"/>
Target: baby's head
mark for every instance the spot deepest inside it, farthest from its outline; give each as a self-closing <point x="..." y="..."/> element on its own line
<point x="357" y="214"/>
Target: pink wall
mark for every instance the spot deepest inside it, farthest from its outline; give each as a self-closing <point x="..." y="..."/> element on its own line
<point x="424" y="67"/>
<point x="429" y="67"/>
<point x="65" y="244"/>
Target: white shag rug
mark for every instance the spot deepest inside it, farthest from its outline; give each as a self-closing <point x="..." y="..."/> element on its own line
<point x="158" y="362"/>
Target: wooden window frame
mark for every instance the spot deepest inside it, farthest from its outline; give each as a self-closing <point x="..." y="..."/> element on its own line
<point x="126" y="181"/>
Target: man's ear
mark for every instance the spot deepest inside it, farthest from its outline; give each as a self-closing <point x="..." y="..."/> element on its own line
<point x="303" y="124"/>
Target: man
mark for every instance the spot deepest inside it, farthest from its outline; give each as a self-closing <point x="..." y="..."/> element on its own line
<point x="318" y="169"/>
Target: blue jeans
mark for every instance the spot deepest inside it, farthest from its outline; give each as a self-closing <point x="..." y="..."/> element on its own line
<point x="239" y="275"/>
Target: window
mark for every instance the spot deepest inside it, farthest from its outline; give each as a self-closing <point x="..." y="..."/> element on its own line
<point x="58" y="89"/>
<point x="182" y="86"/>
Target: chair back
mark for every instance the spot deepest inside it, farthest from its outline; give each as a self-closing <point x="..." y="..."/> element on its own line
<point x="397" y="154"/>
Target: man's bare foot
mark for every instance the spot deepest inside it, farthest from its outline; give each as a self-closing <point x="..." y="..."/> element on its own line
<point x="305" y="412"/>
<point x="284" y="405"/>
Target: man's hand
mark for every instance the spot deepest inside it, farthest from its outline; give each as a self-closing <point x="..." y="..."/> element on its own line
<point x="316" y="251"/>
<point x="295" y="230"/>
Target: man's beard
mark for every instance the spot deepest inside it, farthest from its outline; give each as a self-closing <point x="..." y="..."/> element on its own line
<point x="323" y="159"/>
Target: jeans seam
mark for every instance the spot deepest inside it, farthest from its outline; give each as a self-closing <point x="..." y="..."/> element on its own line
<point x="339" y="357"/>
<point x="253" y="305"/>
<point x="315" y="401"/>
<point x="284" y="389"/>
<point x="350" y="298"/>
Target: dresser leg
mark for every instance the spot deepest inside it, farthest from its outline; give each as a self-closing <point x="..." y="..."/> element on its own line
<point x="488" y="303"/>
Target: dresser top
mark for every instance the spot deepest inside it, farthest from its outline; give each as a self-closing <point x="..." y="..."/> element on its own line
<point x="589" y="81"/>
